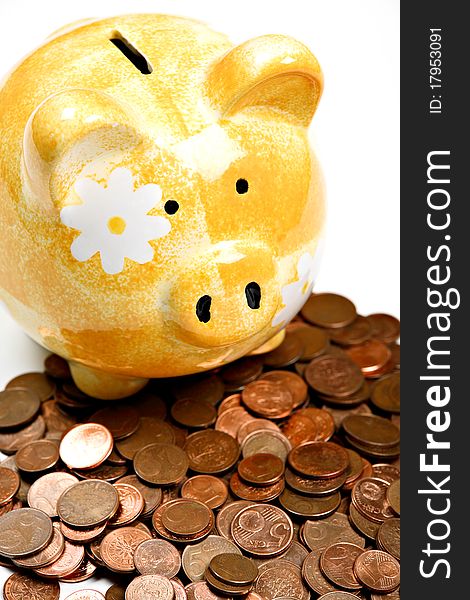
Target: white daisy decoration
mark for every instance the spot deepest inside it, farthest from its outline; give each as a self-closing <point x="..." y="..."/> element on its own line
<point x="113" y="220"/>
<point x="294" y="294"/>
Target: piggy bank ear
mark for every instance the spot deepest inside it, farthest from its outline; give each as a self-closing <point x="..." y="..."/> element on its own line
<point x="67" y="119"/>
<point x="273" y="71"/>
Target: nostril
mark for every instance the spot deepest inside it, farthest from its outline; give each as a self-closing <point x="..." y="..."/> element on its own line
<point x="253" y="295"/>
<point x="203" y="309"/>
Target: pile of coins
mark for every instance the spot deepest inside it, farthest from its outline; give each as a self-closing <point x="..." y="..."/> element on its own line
<point x="275" y="476"/>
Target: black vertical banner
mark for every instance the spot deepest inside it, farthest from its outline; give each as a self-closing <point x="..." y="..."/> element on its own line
<point x="435" y="263"/>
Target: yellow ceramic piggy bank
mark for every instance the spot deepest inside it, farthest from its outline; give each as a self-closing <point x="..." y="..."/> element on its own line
<point x="160" y="206"/>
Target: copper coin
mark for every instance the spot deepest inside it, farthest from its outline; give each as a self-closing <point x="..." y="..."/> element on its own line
<point x="371" y="430"/>
<point x="152" y="495"/>
<point x="199" y="590"/>
<point x="117" y="548"/>
<point x="281" y="579"/>
<point x="395" y="350"/>
<point x="314" y="340"/>
<point x="295" y="384"/>
<point x="82" y="536"/>
<point x="255" y="425"/>
<point x="149" y="587"/>
<point x="38" y="383"/>
<point x="270" y="344"/>
<point x="186" y="517"/>
<point x="384" y="327"/>
<point x="320" y="534"/>
<point x="115" y="592"/>
<point x="131" y="504"/>
<point x="150" y="431"/>
<point x="357" y="332"/>
<point x="255" y="493"/>
<point x="148" y="403"/>
<point x="161" y="464"/>
<point x="57" y="367"/>
<point x="268" y="398"/>
<point x="233" y="401"/>
<point x="205" y="488"/>
<point x="386" y="393"/>
<point x="47" y="555"/>
<point x="313" y="575"/>
<point x="88" y="503"/>
<point x="211" y="451"/>
<point x="196" y="557"/>
<point x="45" y="491"/>
<point x="287" y="353"/>
<point x="85" y="570"/>
<point x="323" y="421"/>
<point x="242" y="371"/>
<point x="193" y="414"/>
<point x="233" y="568"/>
<point x="67" y="562"/>
<point x="336" y="376"/>
<point x="271" y="442"/>
<point x="86" y="446"/>
<point x="388" y="537"/>
<point x="105" y="472"/>
<point x="261" y="469"/>
<point x="230" y="420"/>
<point x="378" y="571"/>
<point x="18" y="406"/>
<point x="56" y="420"/>
<point x="329" y="310"/>
<point x="23" y="532"/>
<point x="338" y="595"/>
<point x="356" y="399"/>
<point x="367" y="527"/>
<point x="319" y="459"/>
<point x="370" y="356"/>
<point x="12" y="441"/>
<point x="207" y="387"/>
<point x="9" y="484"/>
<point x="226" y="515"/>
<point x="369" y="497"/>
<point x="314" y="487"/>
<point x="374" y="451"/>
<point x="385" y="471"/>
<point x="121" y="421"/>
<point x="165" y="533"/>
<point x="309" y="506"/>
<point x="393" y="496"/>
<point x="337" y="562"/>
<point x="224" y="588"/>
<point x="157" y="557"/>
<point x="21" y="586"/>
<point x="262" y="530"/>
<point x="37" y="456"/>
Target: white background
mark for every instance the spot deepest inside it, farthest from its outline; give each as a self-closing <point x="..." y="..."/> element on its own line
<point x="355" y="130"/>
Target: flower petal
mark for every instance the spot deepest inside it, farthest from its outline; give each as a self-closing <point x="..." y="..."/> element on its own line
<point x="76" y="216"/>
<point x="148" y="196"/>
<point x="154" y="227"/>
<point x="141" y="253"/>
<point x="83" y="248"/>
<point x="89" y="190"/>
<point x="120" y="181"/>
<point x="111" y="262"/>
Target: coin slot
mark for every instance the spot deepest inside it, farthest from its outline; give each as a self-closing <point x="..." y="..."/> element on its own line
<point x="203" y="306"/>
<point x="253" y="295"/>
<point x="131" y="53"/>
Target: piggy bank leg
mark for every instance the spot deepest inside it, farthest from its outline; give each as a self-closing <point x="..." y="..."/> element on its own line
<point x="102" y="385"/>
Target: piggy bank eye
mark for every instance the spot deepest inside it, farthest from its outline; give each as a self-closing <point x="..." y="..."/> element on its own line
<point x="241" y="186"/>
<point x="171" y="206"/>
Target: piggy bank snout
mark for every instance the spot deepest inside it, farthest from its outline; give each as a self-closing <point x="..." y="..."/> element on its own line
<point x="224" y="295"/>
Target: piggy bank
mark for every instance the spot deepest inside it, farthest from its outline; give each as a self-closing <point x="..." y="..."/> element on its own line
<point x="160" y="205"/>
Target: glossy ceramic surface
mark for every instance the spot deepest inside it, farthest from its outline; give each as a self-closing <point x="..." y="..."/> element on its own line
<point x="160" y="206"/>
